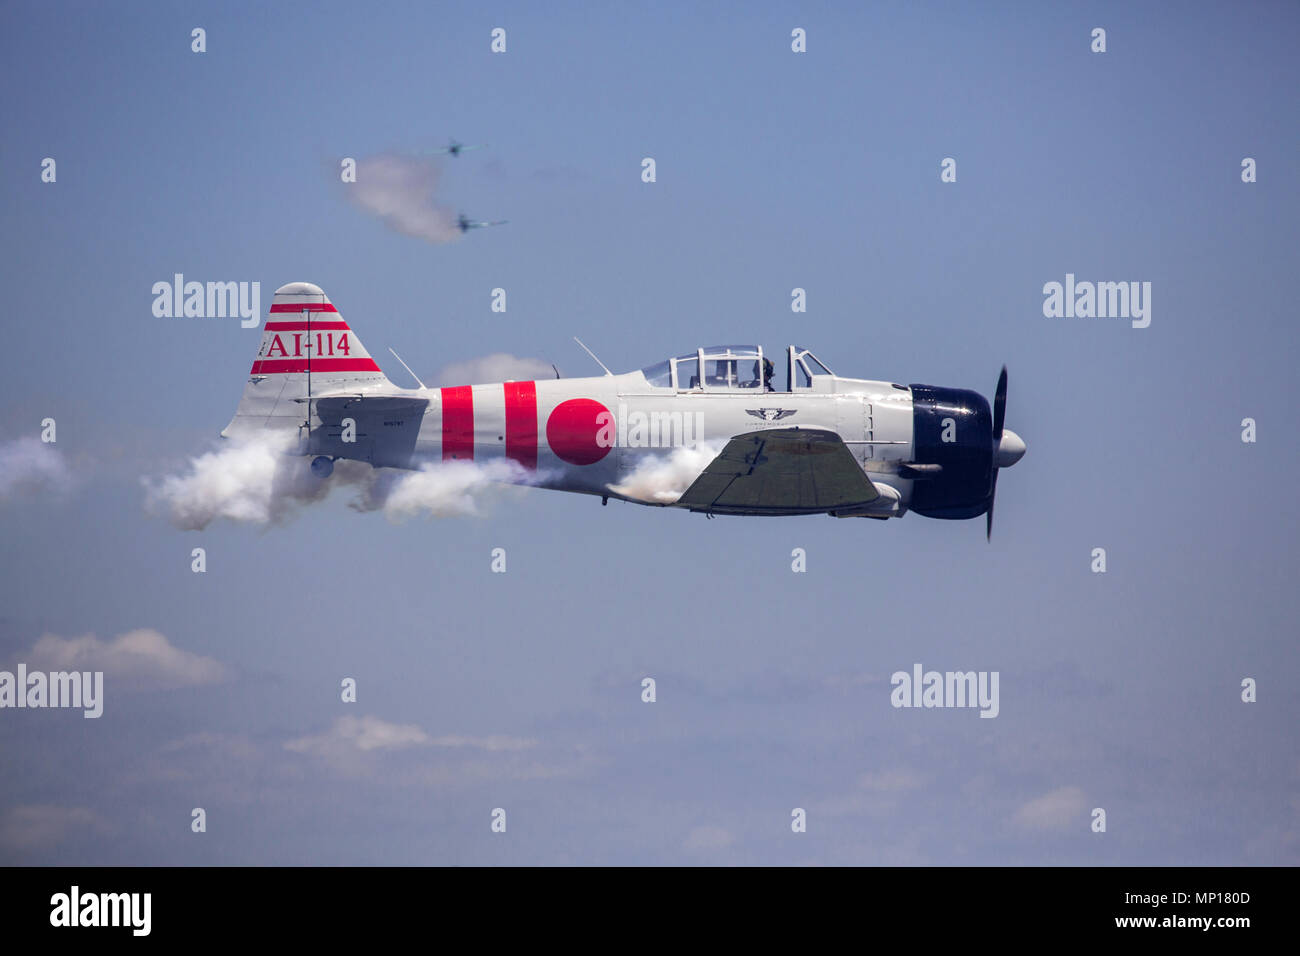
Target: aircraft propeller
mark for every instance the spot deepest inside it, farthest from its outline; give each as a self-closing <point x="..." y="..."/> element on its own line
<point x="1008" y="447"/>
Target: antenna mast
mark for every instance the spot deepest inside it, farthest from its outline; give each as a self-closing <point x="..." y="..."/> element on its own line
<point x="593" y="355"/>
<point x="307" y="314"/>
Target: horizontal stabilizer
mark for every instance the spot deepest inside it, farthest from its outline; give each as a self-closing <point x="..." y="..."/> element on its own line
<point x="380" y="429"/>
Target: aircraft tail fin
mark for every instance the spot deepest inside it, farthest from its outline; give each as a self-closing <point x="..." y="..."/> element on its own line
<point x="307" y="348"/>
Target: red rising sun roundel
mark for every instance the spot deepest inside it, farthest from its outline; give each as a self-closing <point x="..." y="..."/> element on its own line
<point x="574" y="428"/>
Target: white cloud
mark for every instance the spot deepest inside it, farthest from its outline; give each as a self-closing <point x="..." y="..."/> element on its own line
<point x="140" y="659"/>
<point x="493" y="743"/>
<point x="708" y="838"/>
<point x="497" y="367"/>
<point x="224" y="747"/>
<point x="851" y="682"/>
<point x="351" y="735"/>
<point x="1062" y="809"/>
<point x="878" y="793"/>
<point x="42" y="825"/>
<point x="351" y="744"/>
<point x="890" y="781"/>
<point x="28" y="465"/>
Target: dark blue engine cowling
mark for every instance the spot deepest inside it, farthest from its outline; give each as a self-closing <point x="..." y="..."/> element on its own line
<point x="962" y="489"/>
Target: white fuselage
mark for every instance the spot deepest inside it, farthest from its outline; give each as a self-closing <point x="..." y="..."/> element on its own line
<point x="589" y="435"/>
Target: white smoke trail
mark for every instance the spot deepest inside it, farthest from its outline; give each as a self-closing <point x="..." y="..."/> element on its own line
<point x="659" y="480"/>
<point x="399" y="190"/>
<point x="249" y="480"/>
<point x="258" y="481"/>
<point x="29" y="464"/>
<point x="445" y="489"/>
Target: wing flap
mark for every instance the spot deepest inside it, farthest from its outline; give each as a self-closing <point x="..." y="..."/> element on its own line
<point x="781" y="471"/>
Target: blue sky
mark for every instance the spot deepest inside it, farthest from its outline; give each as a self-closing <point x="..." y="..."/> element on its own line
<point x="774" y="170"/>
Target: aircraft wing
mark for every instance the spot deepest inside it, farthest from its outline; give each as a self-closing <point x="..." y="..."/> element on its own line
<point x="781" y="471"/>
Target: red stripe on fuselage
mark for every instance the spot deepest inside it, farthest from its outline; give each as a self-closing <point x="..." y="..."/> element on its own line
<point x="458" y="423"/>
<point x="304" y="307"/>
<point x="521" y="422"/>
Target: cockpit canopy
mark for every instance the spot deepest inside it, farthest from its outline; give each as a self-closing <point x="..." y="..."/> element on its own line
<point x="729" y="367"/>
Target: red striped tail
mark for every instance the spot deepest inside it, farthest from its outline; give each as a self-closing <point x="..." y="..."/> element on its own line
<point x="305" y="344"/>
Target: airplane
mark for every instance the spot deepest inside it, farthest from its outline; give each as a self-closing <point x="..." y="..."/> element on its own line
<point x="455" y="148"/>
<point x="465" y="224"/>
<point x="739" y="443"/>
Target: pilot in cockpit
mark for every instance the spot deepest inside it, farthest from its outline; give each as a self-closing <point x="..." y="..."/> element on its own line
<point x="768" y="370"/>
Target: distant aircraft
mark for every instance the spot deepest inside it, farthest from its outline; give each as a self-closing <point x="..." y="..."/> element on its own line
<point x="823" y="444"/>
<point x="465" y="224"/>
<point x="455" y="149"/>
